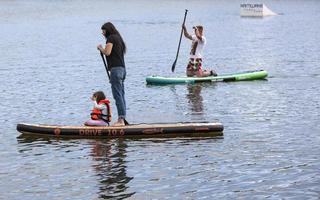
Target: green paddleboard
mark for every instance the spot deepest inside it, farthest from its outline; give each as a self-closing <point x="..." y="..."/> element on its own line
<point x="242" y="76"/>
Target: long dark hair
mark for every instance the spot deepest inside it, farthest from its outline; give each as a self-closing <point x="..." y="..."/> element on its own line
<point x="110" y="29"/>
<point x="99" y="96"/>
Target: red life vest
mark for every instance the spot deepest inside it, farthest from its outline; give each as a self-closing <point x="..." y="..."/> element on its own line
<point x="96" y="114"/>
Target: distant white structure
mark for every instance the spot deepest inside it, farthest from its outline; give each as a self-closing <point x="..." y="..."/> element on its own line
<point x="255" y="10"/>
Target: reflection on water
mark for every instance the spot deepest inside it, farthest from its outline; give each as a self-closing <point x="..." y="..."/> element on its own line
<point x="108" y="162"/>
<point x="195" y="99"/>
<point x="110" y="168"/>
<point x="271" y="140"/>
<point x="191" y="103"/>
<point x="29" y="140"/>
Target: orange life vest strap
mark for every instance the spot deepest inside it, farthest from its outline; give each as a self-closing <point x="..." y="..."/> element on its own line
<point x="97" y="114"/>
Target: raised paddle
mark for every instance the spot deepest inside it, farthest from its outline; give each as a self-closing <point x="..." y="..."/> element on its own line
<point x="174" y="63"/>
<point x="105" y="64"/>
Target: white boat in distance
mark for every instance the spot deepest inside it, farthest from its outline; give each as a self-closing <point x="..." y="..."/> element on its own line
<point x="255" y="10"/>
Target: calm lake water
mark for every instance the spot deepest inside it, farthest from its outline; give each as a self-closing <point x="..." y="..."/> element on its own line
<point x="49" y="67"/>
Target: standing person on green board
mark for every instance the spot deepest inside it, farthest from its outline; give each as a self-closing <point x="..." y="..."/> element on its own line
<point x="114" y="51"/>
<point x="194" y="67"/>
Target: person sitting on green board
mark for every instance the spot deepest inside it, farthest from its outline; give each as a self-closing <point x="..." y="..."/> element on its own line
<point x="194" y="67"/>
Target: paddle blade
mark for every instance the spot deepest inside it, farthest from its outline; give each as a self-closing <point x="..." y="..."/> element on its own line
<point x="173" y="66"/>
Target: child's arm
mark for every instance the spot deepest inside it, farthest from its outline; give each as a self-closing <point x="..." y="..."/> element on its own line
<point x="99" y="106"/>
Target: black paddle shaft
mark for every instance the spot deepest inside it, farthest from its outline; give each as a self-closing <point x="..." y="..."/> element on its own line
<point x="105" y="64"/>
<point x="174" y="63"/>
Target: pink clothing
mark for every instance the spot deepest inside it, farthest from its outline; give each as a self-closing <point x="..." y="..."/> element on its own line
<point x="97" y="122"/>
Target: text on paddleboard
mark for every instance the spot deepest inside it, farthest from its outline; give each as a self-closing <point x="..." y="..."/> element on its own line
<point x="100" y="132"/>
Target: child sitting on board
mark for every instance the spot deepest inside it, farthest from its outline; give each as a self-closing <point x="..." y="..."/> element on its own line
<point x="101" y="113"/>
<point x="194" y="67"/>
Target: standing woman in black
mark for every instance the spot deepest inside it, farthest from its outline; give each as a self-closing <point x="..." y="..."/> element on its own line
<point x="114" y="51"/>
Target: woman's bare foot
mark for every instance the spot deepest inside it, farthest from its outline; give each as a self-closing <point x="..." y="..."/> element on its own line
<point x="120" y="122"/>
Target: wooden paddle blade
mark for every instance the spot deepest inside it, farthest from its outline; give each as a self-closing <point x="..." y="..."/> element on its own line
<point x="173" y="66"/>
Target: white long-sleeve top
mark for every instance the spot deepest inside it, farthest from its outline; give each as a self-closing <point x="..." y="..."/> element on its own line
<point x="101" y="107"/>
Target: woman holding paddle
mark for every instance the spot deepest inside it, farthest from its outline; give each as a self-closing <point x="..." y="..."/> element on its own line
<point x="114" y="51"/>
